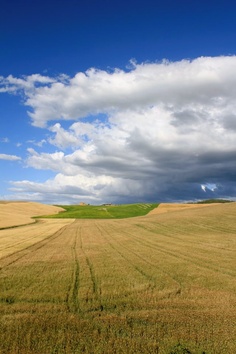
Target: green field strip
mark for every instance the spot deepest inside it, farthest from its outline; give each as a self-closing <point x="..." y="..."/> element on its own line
<point x="121" y="211"/>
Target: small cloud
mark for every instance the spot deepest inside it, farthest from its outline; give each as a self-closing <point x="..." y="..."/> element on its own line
<point x="9" y="157"/>
<point x="210" y="186"/>
<point x="37" y="143"/>
<point x="41" y="143"/>
<point x="4" y="140"/>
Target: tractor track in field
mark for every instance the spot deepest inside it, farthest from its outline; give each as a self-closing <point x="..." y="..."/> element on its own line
<point x="96" y="290"/>
<point x="93" y="277"/>
<point x="72" y="298"/>
<point x="80" y="260"/>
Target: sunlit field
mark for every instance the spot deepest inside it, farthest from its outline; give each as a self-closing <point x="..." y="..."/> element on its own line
<point x="21" y="213"/>
<point x="161" y="283"/>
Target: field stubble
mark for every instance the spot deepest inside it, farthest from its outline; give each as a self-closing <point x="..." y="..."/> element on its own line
<point x="139" y="285"/>
<point x="20" y="213"/>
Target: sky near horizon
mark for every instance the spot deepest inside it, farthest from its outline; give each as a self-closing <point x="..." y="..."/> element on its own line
<point x="117" y="102"/>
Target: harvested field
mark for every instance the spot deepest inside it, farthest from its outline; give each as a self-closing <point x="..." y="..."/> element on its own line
<point x="170" y="207"/>
<point x="21" y="213"/>
<point x="13" y="240"/>
<point x="153" y="284"/>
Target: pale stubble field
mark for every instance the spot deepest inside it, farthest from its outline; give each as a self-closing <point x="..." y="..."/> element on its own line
<point x="160" y="283"/>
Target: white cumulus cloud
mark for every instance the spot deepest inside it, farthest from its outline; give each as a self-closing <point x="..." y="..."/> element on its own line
<point x="157" y="131"/>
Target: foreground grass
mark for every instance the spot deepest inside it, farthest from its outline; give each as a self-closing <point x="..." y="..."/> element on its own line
<point x="160" y="284"/>
<point x="104" y="211"/>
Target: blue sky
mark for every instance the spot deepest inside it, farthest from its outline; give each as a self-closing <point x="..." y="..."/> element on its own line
<point x="111" y="101"/>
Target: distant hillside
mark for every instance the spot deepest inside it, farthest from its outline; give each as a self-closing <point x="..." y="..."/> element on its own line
<point x="210" y="201"/>
<point x="105" y="211"/>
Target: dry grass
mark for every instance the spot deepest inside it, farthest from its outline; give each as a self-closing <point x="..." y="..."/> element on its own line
<point x="21" y="213"/>
<point x="138" y="285"/>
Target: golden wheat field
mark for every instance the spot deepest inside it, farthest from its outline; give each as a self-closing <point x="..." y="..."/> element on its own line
<point x="19" y="213"/>
<point x="162" y="283"/>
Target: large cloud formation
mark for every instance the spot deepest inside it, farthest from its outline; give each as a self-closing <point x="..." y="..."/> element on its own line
<point x="156" y="131"/>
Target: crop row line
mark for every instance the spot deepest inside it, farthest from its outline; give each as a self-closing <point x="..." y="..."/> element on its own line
<point x="175" y="231"/>
<point x="182" y="256"/>
<point x="35" y="247"/>
<point x="23" y="241"/>
<point x="138" y="268"/>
